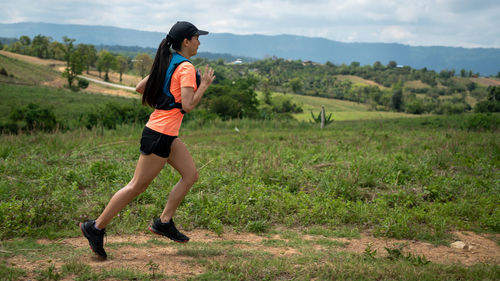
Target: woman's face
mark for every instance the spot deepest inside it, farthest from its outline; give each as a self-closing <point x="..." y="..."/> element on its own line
<point x="192" y="45"/>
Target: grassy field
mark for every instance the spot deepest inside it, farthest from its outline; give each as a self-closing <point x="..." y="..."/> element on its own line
<point x="21" y="72"/>
<point x="356" y="80"/>
<point x="417" y="179"/>
<point x="306" y="197"/>
<point x="341" y="110"/>
<point x="67" y="105"/>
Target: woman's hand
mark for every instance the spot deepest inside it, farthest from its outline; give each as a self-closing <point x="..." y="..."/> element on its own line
<point x="190" y="98"/>
<point x="207" y="77"/>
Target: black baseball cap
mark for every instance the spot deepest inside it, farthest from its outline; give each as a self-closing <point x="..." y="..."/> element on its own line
<point x="184" y="29"/>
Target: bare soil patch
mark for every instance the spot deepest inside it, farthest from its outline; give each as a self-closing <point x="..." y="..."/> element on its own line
<point x="357" y="79"/>
<point x="135" y="253"/>
<point x="114" y="77"/>
<point x="34" y="60"/>
<point x="416" y="84"/>
<point x="483" y="81"/>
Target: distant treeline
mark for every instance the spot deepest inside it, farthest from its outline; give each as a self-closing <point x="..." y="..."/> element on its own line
<point x="233" y="94"/>
<point x="445" y="92"/>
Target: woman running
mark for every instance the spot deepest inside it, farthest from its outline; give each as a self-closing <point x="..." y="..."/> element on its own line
<point x="173" y="88"/>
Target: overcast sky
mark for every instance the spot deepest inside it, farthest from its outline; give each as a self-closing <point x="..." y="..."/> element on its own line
<point x="464" y="23"/>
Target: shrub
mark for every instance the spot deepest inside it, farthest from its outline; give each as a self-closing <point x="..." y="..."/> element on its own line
<point x="415" y="106"/>
<point x="112" y="114"/>
<point x="483" y="121"/>
<point x="451" y="108"/>
<point x="487" y="106"/>
<point x="3" y="72"/>
<point x="492" y="102"/>
<point x="32" y="117"/>
<point x="285" y="104"/>
<point x="82" y="83"/>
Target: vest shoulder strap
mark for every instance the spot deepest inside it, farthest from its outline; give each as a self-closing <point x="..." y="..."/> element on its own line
<point x="166" y="101"/>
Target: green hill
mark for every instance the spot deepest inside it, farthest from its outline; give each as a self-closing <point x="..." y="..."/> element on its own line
<point x="340" y="109"/>
<point x="21" y="72"/>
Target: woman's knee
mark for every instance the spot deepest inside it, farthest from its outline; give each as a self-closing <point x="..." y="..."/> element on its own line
<point x="191" y="178"/>
<point x="137" y="187"/>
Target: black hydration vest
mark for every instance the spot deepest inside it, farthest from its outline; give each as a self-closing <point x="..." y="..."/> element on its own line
<point x="166" y="100"/>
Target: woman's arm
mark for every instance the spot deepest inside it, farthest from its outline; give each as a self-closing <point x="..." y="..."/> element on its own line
<point x="141" y="86"/>
<point x="190" y="98"/>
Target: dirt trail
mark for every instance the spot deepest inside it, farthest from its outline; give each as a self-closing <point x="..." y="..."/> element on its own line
<point x="125" y="250"/>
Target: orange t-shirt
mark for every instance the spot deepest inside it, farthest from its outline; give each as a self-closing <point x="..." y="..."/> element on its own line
<point x="168" y="122"/>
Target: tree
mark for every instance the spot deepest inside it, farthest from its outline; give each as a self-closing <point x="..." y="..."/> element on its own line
<point x="89" y="54"/>
<point x="72" y="66"/>
<point x="296" y="84"/>
<point x="232" y="99"/>
<point x="378" y="65"/>
<point x="56" y="50"/>
<point x="471" y="86"/>
<point x="121" y="65"/>
<point x="25" y="45"/>
<point x="142" y="63"/>
<point x="392" y="64"/>
<point x="76" y="66"/>
<point x="106" y="61"/>
<point x="397" y="99"/>
<point x="40" y="46"/>
<point x="492" y="102"/>
<point x="463" y="73"/>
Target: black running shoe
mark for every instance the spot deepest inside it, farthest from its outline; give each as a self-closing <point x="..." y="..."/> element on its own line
<point x="95" y="238"/>
<point x="168" y="230"/>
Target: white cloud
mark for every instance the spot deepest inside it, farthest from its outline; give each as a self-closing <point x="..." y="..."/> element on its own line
<point x="395" y="34"/>
<point x="424" y="22"/>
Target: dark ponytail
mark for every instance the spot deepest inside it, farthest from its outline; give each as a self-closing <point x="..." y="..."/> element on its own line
<point x="158" y="70"/>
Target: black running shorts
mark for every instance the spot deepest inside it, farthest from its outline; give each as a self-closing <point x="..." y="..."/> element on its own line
<point x="156" y="143"/>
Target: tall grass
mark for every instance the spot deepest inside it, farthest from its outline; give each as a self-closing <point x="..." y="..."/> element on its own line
<point x="404" y="178"/>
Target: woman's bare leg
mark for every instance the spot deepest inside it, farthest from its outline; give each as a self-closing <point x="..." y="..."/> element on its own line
<point x="182" y="161"/>
<point x="148" y="167"/>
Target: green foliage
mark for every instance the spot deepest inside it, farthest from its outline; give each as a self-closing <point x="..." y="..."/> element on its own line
<point x="317" y="119"/>
<point x="83" y="83"/>
<point x="303" y="77"/>
<point x="75" y="62"/>
<point x="397" y="99"/>
<point x="40" y="108"/>
<point x="285" y="104"/>
<point x="10" y="273"/>
<point x="397" y="254"/>
<point x="483" y="121"/>
<point x="50" y="273"/>
<point x="257" y="226"/>
<point x="492" y="102"/>
<point x="370" y="253"/>
<point x="112" y="114"/>
<point x="3" y="72"/>
<point x="105" y="62"/>
<point x="20" y="72"/>
<point x="142" y="63"/>
<point x="450" y="107"/>
<point x="31" y="117"/>
<point x="278" y="106"/>
<point x="153" y="268"/>
<point x="296" y="84"/>
<point x="232" y="99"/>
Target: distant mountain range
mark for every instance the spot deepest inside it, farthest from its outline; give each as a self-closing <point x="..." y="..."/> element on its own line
<point x="486" y="61"/>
